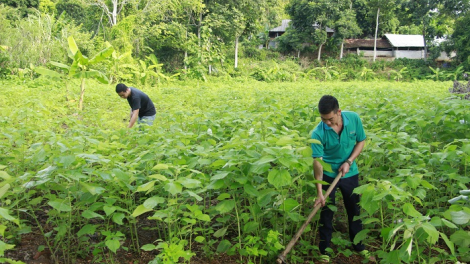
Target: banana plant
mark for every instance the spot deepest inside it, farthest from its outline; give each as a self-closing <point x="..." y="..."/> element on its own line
<point x="80" y="67"/>
<point x="147" y="69"/>
<point x="399" y="74"/>
<point x="437" y="73"/>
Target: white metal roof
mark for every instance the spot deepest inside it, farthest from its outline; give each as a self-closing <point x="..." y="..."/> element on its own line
<point x="283" y="27"/>
<point x="405" y="40"/>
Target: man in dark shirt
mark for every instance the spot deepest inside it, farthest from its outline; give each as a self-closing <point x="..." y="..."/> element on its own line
<point x="142" y="108"/>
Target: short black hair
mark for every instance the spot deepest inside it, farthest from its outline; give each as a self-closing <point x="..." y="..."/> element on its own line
<point x="121" y="88"/>
<point x="328" y="104"/>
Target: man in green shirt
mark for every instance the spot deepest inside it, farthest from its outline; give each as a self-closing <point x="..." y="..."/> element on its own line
<point x="342" y="138"/>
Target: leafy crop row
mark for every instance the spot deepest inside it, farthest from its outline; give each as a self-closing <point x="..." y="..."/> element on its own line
<point x="226" y="168"/>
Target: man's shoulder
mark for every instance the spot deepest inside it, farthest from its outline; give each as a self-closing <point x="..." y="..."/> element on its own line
<point x="318" y="131"/>
<point x="350" y="113"/>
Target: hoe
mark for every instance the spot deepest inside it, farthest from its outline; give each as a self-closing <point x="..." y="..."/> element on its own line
<point x="281" y="259"/>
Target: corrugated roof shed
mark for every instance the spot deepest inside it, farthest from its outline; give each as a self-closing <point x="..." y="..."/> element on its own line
<point x="366" y="43"/>
<point x="285" y="25"/>
<point x="405" y="40"/>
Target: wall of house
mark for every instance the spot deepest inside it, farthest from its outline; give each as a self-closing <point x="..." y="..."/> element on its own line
<point x="410" y="54"/>
<point x="379" y="53"/>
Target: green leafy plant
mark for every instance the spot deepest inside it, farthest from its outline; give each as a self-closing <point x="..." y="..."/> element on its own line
<point x="80" y="67"/>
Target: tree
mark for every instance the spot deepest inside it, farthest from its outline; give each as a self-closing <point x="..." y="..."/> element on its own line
<point x="314" y="17"/>
<point x="387" y="9"/>
<point x="460" y="39"/>
<point x="346" y="27"/>
<point x="232" y="19"/>
<point x="80" y="67"/>
<point x="110" y="8"/>
<point x="422" y="13"/>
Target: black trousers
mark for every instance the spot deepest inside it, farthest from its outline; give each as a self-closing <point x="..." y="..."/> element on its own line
<point x="351" y="203"/>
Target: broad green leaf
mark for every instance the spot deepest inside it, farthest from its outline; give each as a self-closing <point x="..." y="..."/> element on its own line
<point x="4" y="175"/>
<point x="314" y="141"/>
<point x="151" y="202"/>
<point x="4" y="189"/>
<point x="199" y="239"/>
<point x="285" y="140"/>
<point x="148" y="247"/>
<point x="60" y="65"/>
<point x="449" y="243"/>
<point x="223" y="196"/>
<point x="215" y="185"/>
<point x="87" y="230"/>
<point x="461" y="238"/>
<point x="279" y="178"/>
<point x="4" y="247"/>
<point x="47" y="72"/>
<point x="363" y="234"/>
<point x="72" y="45"/>
<point x="433" y="234"/>
<point x="141" y="209"/>
<point x="326" y="166"/>
<point x="158" y="177"/>
<point x="146" y="186"/>
<point x="411" y="211"/>
<point x="189" y="183"/>
<point x="250" y="227"/>
<point x="4" y="214"/>
<point x="113" y="244"/>
<point x="160" y="167"/>
<point x="289" y="204"/>
<point x="101" y="77"/>
<point x="223" y="246"/>
<point x="249" y="189"/>
<point x="102" y="55"/>
<point x="460" y="217"/>
<point x="220" y="175"/>
<point x="174" y="188"/>
<point x="448" y="223"/>
<point x="221" y="232"/>
<point x="225" y="206"/>
<point x="94" y="190"/>
<point x="60" y="205"/>
<point x="109" y="209"/>
<point x="118" y="217"/>
<point x="194" y="195"/>
<point x="264" y="160"/>
<point x="89" y="215"/>
<point x="85" y="74"/>
<point x="204" y="217"/>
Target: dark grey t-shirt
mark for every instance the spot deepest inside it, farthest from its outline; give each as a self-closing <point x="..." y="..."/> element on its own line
<point x="139" y="100"/>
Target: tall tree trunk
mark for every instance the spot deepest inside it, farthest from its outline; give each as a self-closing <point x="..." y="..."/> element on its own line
<point x="199" y="25"/>
<point x="319" y="51"/>
<point x="376" y="30"/>
<point x="424" y="39"/>
<point x="341" y="52"/>
<point x="236" y="51"/>
<point x="186" y="53"/>
<point x="82" y="94"/>
<point x="115" y="8"/>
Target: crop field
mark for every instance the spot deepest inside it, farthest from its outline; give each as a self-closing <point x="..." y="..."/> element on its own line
<point x="225" y="173"/>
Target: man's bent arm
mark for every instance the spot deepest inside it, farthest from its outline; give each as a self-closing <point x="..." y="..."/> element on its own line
<point x="318" y="172"/>
<point x="134" y="116"/>
<point x="357" y="150"/>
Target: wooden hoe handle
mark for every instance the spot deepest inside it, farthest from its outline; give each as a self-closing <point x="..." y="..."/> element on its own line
<point x="281" y="259"/>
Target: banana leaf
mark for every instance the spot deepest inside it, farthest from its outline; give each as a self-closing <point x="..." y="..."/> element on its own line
<point x="47" y="72"/>
<point x="60" y="65"/>
<point x="73" y="48"/>
<point x="102" y="55"/>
